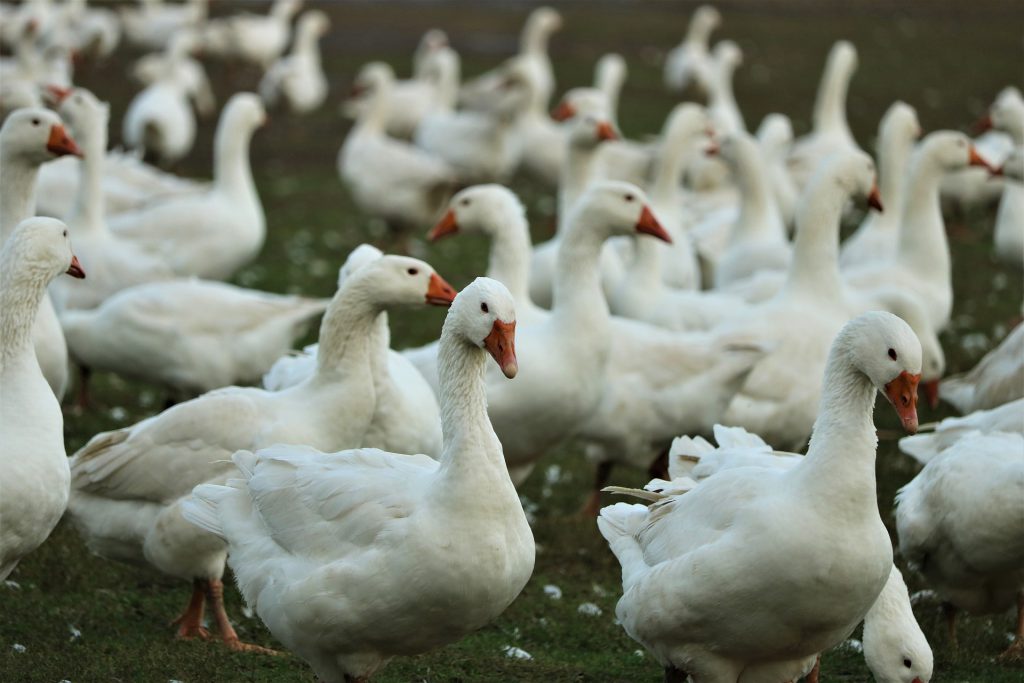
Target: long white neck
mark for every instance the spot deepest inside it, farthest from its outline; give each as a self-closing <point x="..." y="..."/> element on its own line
<point x="509" y="261"/>
<point x="21" y="292"/>
<point x="699" y="33"/>
<point x="830" y="106"/>
<point x="576" y="174"/>
<point x="758" y="212"/>
<point x="232" y="172"/>
<point x="644" y="273"/>
<point x="17" y="193"/>
<point x="814" y="269"/>
<point x="923" y="246"/>
<point x="611" y="74"/>
<point x="307" y="42"/>
<point x="88" y="212"/>
<point x="893" y="160"/>
<point x="578" y="300"/>
<point x="347" y="333"/>
<point x="374" y="117"/>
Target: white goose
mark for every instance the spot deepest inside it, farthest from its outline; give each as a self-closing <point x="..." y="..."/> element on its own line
<point x="28" y="138"/>
<point x="1007" y="114"/>
<point x="32" y="454"/>
<point x="831" y="131"/>
<point x="114" y="262"/>
<point x="387" y="177"/>
<point x="298" y="79"/>
<point x="998" y="378"/>
<point x="689" y="62"/>
<point x="214" y="233"/>
<point x="959" y="524"/>
<point x="775" y="135"/>
<point x="353" y="558"/>
<point x="1008" y="417"/>
<point x="725" y="112"/>
<point x="128" y="485"/>
<point x="154" y="23"/>
<point x="878" y="236"/>
<point x="715" y="623"/>
<point x="254" y="38"/>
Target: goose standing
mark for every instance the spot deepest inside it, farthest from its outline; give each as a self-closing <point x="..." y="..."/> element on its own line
<point x="725" y="112"/>
<point x="128" y="485"/>
<point x="716" y="621"/>
<point x="253" y="38"/>
<point x="1007" y="115"/>
<point x="298" y="80"/>
<point x="28" y="138"/>
<point x="211" y="234"/>
<point x="689" y="62"/>
<point x="32" y="455"/>
<point x="353" y="558"/>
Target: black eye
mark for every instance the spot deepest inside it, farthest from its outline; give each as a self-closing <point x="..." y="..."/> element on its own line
<point x="630" y="197"/>
<point x="907" y="662"/>
<point x="892" y="354"/>
<point x="65" y="233"/>
<point x="35" y="122"/>
<point x="413" y="271"/>
<point x="483" y="307"/>
<point x="465" y="202"/>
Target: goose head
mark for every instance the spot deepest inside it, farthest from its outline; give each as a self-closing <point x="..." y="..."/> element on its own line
<point x="842" y="60"/>
<point x="35" y="136"/>
<point x="1007" y="113"/>
<point x="854" y="175"/>
<point x="513" y="89"/>
<point x="362" y="255"/>
<point x="314" y="23"/>
<point x="727" y="56"/>
<point x="950" y="151"/>
<point x="244" y="111"/>
<point x="895" y="649"/>
<point x="589" y="130"/>
<point x="887" y="351"/>
<point x="617" y="208"/>
<point x="480" y="209"/>
<point x="775" y="135"/>
<point x="685" y="122"/>
<point x="738" y="150"/>
<point x="84" y="112"/>
<point x="539" y="26"/>
<point x="372" y="78"/>
<point x="705" y="20"/>
<point x="401" y="281"/>
<point x="484" y="314"/>
<point x="41" y="246"/>
<point x="901" y="119"/>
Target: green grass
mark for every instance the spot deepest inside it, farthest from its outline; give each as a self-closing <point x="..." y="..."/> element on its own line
<point x="947" y="59"/>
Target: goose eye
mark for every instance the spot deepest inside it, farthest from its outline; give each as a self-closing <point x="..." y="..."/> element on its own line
<point x="484" y="308"/>
<point x="892" y="354"/>
<point x="465" y="202"/>
<point x="906" y="662"/>
<point x="35" y="122"/>
<point x="629" y="197"/>
<point x="413" y="271"/>
<point x="65" y="233"/>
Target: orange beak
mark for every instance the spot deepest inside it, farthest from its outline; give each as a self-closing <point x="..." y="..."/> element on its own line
<point x="902" y="394"/>
<point x="712" y="149"/>
<point x="501" y="344"/>
<point x="983" y="124"/>
<point x="875" y="199"/>
<point x="439" y="292"/>
<point x="357" y="90"/>
<point x="976" y="159"/>
<point x="75" y="269"/>
<point x="446" y="226"/>
<point x="930" y="389"/>
<point x="58" y="93"/>
<point x="563" y="112"/>
<point x="606" y="132"/>
<point x="649" y="225"/>
<point x="60" y="143"/>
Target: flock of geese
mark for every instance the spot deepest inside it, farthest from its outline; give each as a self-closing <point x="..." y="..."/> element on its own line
<point x="365" y="498"/>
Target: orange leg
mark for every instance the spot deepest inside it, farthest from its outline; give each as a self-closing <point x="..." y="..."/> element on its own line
<point x="1016" y="650"/>
<point x="215" y="594"/>
<point x="950" y="613"/>
<point x="190" y="623"/>
<point x="593" y="504"/>
<point x="812" y="677"/>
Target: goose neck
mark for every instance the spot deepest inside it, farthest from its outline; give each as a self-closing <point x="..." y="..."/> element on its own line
<point x="509" y="261"/>
<point x="893" y="159"/>
<point x="578" y="299"/>
<point x="576" y="174"/>
<point x="307" y="43"/>
<point x="830" y="105"/>
<point x="349" y="333"/>
<point x="922" y="242"/>
<point x="232" y="171"/>
<point x="668" y="173"/>
<point x="17" y="193"/>
<point x="757" y="204"/>
<point x="21" y="292"/>
<point x="374" y="117"/>
<point x="644" y="273"/>
<point x="815" y="266"/>
<point x="89" y="209"/>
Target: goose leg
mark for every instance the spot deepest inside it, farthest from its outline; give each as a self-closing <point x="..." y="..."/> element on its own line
<point x="190" y="623"/>
<point x="812" y="676"/>
<point x="601" y="476"/>
<point x="1016" y="650"/>
<point x="950" y="612"/>
<point x="82" y="400"/>
<point x="215" y="594"/>
<point x="658" y="469"/>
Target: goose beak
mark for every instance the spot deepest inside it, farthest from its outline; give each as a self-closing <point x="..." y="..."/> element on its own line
<point x="501" y="344"/>
<point x="75" y="269"/>
<point x="60" y="143"/>
<point x="57" y="93"/>
<point x="930" y="389"/>
<point x="875" y="199"/>
<point x="448" y="225"/>
<point x="902" y="394"/>
<point x="606" y="132"/>
<point x="712" y="150"/>
<point x="649" y="225"/>
<point x="563" y="112"/>
<point x="439" y="292"/>
<point x="975" y="159"/>
<point x="983" y="124"/>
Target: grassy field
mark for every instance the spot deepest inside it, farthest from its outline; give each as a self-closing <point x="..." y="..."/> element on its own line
<point x="75" y="617"/>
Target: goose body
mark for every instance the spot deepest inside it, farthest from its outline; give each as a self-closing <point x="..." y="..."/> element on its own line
<point x="1007" y="115"/>
<point x="689" y="62"/>
<point x="254" y="38"/>
<point x="154" y="23"/>
<point x="298" y="80"/>
<point x="389" y="584"/>
<point x="998" y="378"/>
<point x="1008" y="417"/>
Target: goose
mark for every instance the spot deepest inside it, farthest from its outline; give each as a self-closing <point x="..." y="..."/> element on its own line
<point x="725" y="113"/>
<point x="959" y="524"/>
<point x="155" y="23"/>
<point x="356" y="557"/>
<point x="775" y="136"/>
<point x="92" y="32"/>
<point x="115" y="262"/>
<point x="1007" y="115"/>
<point x="190" y="336"/>
<point x="211" y="234"/>
<point x="877" y="237"/>
<point x="387" y="177"/>
<point x="689" y="62"/>
<point x="127" y="485"/>
<point x="1008" y="417"/>
<point x="406" y="417"/>
<point x="298" y="80"/>
<point x="175" y="61"/>
<point x="28" y="138"/>
<point x="34" y="463"/>
<point x="998" y="378"/>
<point x="745" y="517"/>
<point x="253" y="38"/>
<point x="831" y="132"/>
<point x="922" y="263"/>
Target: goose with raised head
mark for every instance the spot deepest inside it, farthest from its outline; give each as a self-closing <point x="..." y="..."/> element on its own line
<point x="1007" y="115"/>
<point x="297" y="80"/>
<point x="690" y="62"/>
<point x="775" y="136"/>
<point x="309" y="538"/>
<point x="128" y="485"/>
<point x="725" y="112"/>
<point x="115" y="262"/>
<point x="387" y="177"/>
<point x="878" y="235"/>
<point x="255" y="38"/>
<point x="32" y="455"/>
<point x="998" y="378"/>
<point x="746" y="517"/>
<point x="28" y="138"/>
<point x="214" y="233"/>
<point x="922" y="264"/>
<point x="830" y="132"/>
<point x="959" y="524"/>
